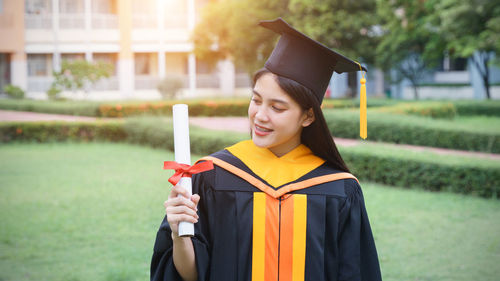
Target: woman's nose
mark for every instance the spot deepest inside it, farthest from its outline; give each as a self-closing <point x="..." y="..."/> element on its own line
<point x="261" y="114"/>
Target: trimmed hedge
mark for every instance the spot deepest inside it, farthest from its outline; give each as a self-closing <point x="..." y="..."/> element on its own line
<point x="196" y="108"/>
<point x="157" y="132"/>
<point x="226" y="107"/>
<point x="487" y="107"/>
<point x="76" y="108"/>
<point x="61" y="131"/>
<point x="412" y="130"/>
<point x="409" y="173"/>
<point x="426" y="109"/>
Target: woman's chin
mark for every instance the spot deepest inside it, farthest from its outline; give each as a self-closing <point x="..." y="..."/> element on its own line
<point x="260" y="142"/>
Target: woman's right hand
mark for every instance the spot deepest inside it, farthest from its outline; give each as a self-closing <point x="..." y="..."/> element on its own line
<point x="181" y="208"/>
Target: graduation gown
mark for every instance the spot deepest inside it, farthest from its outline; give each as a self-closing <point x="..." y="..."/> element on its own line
<point x="264" y="218"/>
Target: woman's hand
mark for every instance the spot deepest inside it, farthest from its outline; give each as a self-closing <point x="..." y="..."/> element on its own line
<point x="180" y="208"/>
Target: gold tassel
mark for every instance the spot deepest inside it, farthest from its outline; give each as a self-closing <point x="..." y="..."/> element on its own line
<point x="362" y="109"/>
<point x="363" y="128"/>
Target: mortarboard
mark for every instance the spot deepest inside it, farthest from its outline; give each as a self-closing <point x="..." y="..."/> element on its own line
<point x="308" y="62"/>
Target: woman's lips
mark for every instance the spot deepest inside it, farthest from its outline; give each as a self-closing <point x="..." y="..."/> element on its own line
<point x="262" y="131"/>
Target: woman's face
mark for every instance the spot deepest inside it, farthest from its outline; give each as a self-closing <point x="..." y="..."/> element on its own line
<point x="276" y="120"/>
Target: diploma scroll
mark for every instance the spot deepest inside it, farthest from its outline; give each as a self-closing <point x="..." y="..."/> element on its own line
<point x="183" y="156"/>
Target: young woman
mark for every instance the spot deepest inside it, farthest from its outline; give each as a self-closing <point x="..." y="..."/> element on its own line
<point x="283" y="205"/>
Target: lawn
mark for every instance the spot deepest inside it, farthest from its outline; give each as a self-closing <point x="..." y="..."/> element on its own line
<point x="90" y="212"/>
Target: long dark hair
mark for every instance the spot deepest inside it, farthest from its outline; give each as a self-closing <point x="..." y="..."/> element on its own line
<point x="317" y="135"/>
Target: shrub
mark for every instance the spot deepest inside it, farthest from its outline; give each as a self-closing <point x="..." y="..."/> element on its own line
<point x="488" y="108"/>
<point x="61" y="131"/>
<point x="78" y="74"/>
<point x="445" y="110"/>
<point x="412" y="130"/>
<point x="466" y="179"/>
<point x="170" y="86"/>
<point x="14" y="92"/>
<point x="367" y="165"/>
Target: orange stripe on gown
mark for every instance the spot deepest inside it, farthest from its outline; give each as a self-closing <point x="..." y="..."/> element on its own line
<point x="272" y="238"/>
<point x="267" y="242"/>
<point x="286" y="240"/>
<point x="259" y="236"/>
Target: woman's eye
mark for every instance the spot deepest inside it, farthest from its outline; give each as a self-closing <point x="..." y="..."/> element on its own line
<point x="255" y="100"/>
<point x="278" y="109"/>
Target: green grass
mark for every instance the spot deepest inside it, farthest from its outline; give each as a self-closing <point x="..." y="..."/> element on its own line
<point x="90" y="211"/>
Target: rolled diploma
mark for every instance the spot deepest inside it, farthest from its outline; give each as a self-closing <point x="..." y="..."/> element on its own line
<point x="183" y="155"/>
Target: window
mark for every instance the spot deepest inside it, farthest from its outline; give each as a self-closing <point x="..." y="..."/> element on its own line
<point x="72" y="57"/>
<point x="106" y="57"/>
<point x="71" y="6"/>
<point x="141" y="64"/>
<point x="39" y="65"/>
<point x="453" y="64"/>
<point x="38" y="7"/>
<point x="101" y="7"/>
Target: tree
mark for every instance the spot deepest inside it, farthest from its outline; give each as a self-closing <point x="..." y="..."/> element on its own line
<point x="471" y="28"/>
<point x="409" y="44"/>
<point x="238" y="36"/>
<point x="348" y="27"/>
<point x="78" y="75"/>
<point x="343" y="25"/>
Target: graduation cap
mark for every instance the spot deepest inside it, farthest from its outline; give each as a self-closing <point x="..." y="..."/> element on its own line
<point x="308" y="62"/>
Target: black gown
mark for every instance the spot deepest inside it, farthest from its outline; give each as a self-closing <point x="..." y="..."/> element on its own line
<point x="312" y="228"/>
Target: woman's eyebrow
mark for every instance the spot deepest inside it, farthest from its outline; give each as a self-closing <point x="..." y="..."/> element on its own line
<point x="273" y="100"/>
<point x="255" y="92"/>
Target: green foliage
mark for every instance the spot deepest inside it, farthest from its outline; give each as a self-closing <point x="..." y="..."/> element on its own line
<point x="196" y="108"/>
<point x="372" y="163"/>
<point x="469" y="108"/>
<point x="53" y="91"/>
<point x="14" y="91"/>
<point x="61" y="131"/>
<point x="425" y="109"/>
<point x="409" y="44"/>
<point x="159" y="133"/>
<point x="78" y="75"/>
<point x="238" y="36"/>
<point x="470" y="29"/>
<point x="170" y="86"/>
<point x="412" y="173"/>
<point x="414" y="130"/>
<point x="77" y="108"/>
<point x="346" y="26"/>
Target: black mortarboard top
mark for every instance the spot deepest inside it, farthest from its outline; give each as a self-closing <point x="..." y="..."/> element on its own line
<point x="305" y="60"/>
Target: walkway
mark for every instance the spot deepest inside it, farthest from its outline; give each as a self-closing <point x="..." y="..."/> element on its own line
<point x="236" y="124"/>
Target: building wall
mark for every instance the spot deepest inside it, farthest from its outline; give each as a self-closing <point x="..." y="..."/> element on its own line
<point x="12" y="26"/>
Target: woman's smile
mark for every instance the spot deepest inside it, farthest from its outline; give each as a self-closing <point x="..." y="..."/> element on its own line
<point x="262" y="131"/>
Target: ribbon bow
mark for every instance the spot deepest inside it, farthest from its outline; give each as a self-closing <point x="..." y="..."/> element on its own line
<point x="185" y="171"/>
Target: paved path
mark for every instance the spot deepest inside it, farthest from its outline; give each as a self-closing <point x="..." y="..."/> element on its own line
<point x="236" y="124"/>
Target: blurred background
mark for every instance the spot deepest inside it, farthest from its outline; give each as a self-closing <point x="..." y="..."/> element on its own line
<point x="87" y="87"/>
<point x="413" y="49"/>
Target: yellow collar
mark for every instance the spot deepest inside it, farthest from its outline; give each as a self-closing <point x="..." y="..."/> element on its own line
<point x="276" y="171"/>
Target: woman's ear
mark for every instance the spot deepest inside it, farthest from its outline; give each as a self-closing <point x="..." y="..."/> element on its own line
<point x="309" y="118"/>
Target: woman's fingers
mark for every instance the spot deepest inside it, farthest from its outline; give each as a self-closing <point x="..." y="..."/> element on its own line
<point x="174" y="210"/>
<point x="195" y="198"/>
<point x="176" y="201"/>
<point x="178" y="190"/>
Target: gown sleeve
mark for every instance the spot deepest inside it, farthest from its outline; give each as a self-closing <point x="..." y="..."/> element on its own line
<point x="358" y="255"/>
<point x="162" y="263"/>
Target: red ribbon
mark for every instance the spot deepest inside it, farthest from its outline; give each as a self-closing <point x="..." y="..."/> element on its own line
<point x="185" y="171"/>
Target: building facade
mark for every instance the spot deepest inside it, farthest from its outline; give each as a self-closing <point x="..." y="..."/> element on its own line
<point x="145" y="40"/>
